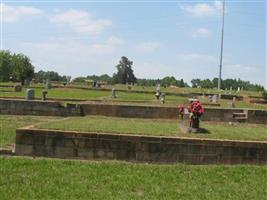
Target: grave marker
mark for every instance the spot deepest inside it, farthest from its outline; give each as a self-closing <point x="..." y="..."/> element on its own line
<point x="30" y="94"/>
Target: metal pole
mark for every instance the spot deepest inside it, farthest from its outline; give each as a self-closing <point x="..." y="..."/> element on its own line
<point x="221" y="56"/>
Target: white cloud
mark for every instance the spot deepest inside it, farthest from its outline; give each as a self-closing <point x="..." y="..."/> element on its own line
<point x="196" y="57"/>
<point x="201" y="32"/>
<point x="81" y="21"/>
<point x="151" y="70"/>
<point x="148" y="46"/>
<point x="115" y="41"/>
<point x="71" y="47"/>
<point x="16" y="13"/>
<point x="245" y="72"/>
<point x="73" y="57"/>
<point x="203" y="9"/>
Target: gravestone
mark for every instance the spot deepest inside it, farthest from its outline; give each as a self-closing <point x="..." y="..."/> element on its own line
<point x="129" y="86"/>
<point x="44" y="93"/>
<point x="30" y="94"/>
<point x="17" y="88"/>
<point x="158" y="93"/>
<point x="230" y="90"/>
<point x="114" y="95"/>
<point x="26" y="83"/>
<point x="94" y="84"/>
<point x="215" y="99"/>
<point x="233" y="102"/>
<point x="210" y="99"/>
<point x="162" y="98"/>
<point x="48" y="84"/>
<point x="158" y="88"/>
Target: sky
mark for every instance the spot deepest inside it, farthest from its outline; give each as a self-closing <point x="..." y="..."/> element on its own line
<point x="162" y="38"/>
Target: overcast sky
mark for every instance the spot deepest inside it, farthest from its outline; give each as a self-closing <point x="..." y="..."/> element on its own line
<point x="180" y="39"/>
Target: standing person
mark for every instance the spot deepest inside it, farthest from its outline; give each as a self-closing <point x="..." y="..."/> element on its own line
<point x="181" y="111"/>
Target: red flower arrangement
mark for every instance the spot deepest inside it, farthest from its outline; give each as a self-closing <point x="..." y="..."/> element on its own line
<point x="196" y="108"/>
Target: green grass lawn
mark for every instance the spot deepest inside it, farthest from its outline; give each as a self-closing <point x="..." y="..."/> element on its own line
<point x="158" y="127"/>
<point x="71" y="93"/>
<point x="9" y="123"/>
<point x="24" y="178"/>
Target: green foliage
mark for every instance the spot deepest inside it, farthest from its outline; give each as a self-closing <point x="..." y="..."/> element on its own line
<point x="105" y="78"/>
<point x="166" y="81"/>
<point x="125" y="72"/>
<point x="5" y="65"/>
<point x="226" y="84"/>
<point x="264" y="94"/>
<point x="41" y="76"/>
<point x="15" y="67"/>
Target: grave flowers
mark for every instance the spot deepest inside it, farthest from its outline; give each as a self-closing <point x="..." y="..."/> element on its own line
<point x="196" y="110"/>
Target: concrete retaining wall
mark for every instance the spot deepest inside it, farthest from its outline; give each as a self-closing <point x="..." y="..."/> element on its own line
<point x="211" y="114"/>
<point x="53" y="108"/>
<point x="61" y="144"/>
<point x="42" y="108"/>
<point x="258" y="101"/>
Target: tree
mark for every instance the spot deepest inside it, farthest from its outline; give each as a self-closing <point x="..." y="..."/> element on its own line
<point x="125" y="72"/>
<point x="22" y="68"/>
<point x="51" y="75"/>
<point x="264" y="94"/>
<point x="181" y="83"/>
<point x="195" y="82"/>
<point x="5" y="66"/>
<point x="168" y="80"/>
<point x="17" y="66"/>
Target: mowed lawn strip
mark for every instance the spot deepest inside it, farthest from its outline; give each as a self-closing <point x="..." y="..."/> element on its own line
<point x="24" y="178"/>
<point x="158" y="127"/>
<point x="9" y="123"/>
<point x="115" y="125"/>
<point x="72" y="93"/>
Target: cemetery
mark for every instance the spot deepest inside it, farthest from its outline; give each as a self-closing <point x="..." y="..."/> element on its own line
<point x="136" y="125"/>
<point x="133" y="100"/>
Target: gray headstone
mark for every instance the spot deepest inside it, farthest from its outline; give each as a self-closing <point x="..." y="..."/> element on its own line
<point x="114" y="95"/>
<point x="17" y="88"/>
<point x="30" y="94"/>
<point x="158" y="88"/>
<point x="26" y="83"/>
<point x="44" y="93"/>
<point x="157" y="95"/>
<point x="48" y="84"/>
<point x="162" y="98"/>
<point x="210" y="98"/>
<point x="214" y="98"/>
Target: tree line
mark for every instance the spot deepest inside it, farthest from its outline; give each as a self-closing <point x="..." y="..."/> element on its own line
<point x="50" y="75"/>
<point x="18" y="68"/>
<point x="226" y="84"/>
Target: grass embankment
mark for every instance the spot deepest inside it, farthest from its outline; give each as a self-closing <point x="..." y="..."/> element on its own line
<point x="158" y="127"/>
<point x="9" y="123"/>
<point x="59" y="179"/>
<point x="71" y="93"/>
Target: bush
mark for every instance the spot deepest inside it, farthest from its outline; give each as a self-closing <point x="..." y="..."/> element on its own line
<point x="264" y="94"/>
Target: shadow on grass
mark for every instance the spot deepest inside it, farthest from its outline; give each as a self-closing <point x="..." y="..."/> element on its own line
<point x="203" y="131"/>
<point x="198" y="131"/>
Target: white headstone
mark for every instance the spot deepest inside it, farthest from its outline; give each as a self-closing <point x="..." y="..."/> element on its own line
<point x="214" y="98"/>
